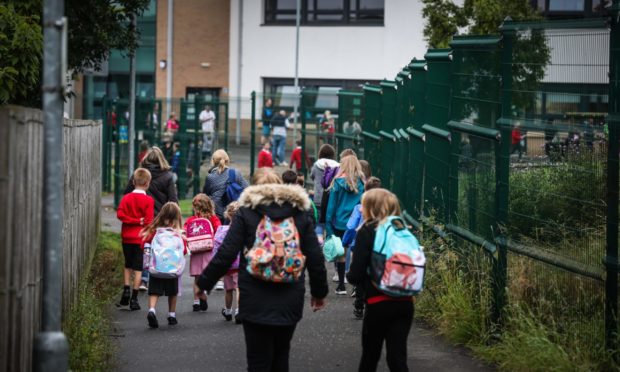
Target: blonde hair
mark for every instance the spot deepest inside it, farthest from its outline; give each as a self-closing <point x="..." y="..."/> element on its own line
<point x="156" y="157"/>
<point x="168" y="216"/>
<point x="231" y="210"/>
<point x="220" y="160"/>
<point x="203" y="206"/>
<point x="379" y="204"/>
<point x="351" y="171"/>
<point x="141" y="177"/>
<point x="346" y="152"/>
<point x="264" y="176"/>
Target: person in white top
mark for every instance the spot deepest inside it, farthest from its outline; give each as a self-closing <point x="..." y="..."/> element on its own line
<point x="207" y="119"/>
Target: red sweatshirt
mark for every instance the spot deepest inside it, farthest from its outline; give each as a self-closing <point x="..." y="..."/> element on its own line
<point x="135" y="211"/>
<point x="296" y="159"/>
<point x="265" y="159"/>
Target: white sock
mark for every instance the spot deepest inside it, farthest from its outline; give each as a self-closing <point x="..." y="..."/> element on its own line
<point x="173" y="314"/>
<point x="196" y="302"/>
<point x="152" y="310"/>
<point x="236" y="311"/>
<point x="228" y="311"/>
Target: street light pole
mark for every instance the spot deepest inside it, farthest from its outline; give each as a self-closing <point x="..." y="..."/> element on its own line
<point x="296" y="104"/>
<point x="132" y="103"/>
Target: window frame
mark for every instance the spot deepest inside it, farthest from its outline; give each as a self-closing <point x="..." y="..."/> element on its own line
<point x="270" y="12"/>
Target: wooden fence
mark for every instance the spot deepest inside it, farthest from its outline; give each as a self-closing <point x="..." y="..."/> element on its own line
<point x="21" y="216"/>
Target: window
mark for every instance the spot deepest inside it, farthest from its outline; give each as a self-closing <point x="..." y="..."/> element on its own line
<point x="567" y="5"/>
<point x="554" y="9"/>
<point x="326" y="12"/>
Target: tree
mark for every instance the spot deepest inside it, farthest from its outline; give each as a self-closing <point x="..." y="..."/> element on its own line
<point x="95" y="28"/>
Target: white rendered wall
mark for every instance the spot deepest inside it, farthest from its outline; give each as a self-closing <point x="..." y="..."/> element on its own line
<point x="335" y="52"/>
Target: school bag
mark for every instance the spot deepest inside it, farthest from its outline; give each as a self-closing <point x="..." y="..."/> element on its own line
<point x="220" y="234"/>
<point x="166" y="254"/>
<point x="200" y="235"/>
<point x="276" y="254"/>
<point x="328" y="175"/>
<point x="233" y="189"/>
<point x="332" y="248"/>
<point x="397" y="263"/>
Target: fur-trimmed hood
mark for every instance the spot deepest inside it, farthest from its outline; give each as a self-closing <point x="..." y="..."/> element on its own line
<point x="273" y="195"/>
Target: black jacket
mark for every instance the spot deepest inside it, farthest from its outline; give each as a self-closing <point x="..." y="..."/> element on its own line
<point x="162" y="187"/>
<point x="360" y="264"/>
<point x="265" y="302"/>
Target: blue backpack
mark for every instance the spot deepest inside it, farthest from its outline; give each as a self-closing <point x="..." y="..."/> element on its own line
<point x="397" y="263"/>
<point x="233" y="189"/>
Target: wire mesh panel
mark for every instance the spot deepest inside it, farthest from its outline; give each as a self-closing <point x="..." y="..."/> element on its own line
<point x="372" y="125"/>
<point x="349" y="123"/>
<point x="388" y="149"/>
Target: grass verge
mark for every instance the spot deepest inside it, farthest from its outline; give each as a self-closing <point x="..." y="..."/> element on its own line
<point x="88" y="325"/>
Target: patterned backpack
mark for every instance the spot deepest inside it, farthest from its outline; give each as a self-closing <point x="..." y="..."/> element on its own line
<point x="397" y="262"/>
<point x="200" y="235"/>
<point x="166" y="254"/>
<point x="276" y="255"/>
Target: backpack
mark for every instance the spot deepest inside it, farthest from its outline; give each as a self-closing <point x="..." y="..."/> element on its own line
<point x="233" y="189"/>
<point x="220" y="234"/>
<point x="166" y="258"/>
<point x="200" y="235"/>
<point x="397" y="263"/>
<point x="328" y="176"/>
<point x="276" y="255"/>
<point x="332" y="248"/>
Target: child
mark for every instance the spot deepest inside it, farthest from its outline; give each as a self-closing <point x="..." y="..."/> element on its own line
<point x="203" y="208"/>
<point x="291" y="178"/>
<point x="135" y="211"/>
<point x="169" y="217"/>
<point x="296" y="158"/>
<point x="387" y="318"/>
<point x="231" y="277"/>
<point x="264" y="156"/>
<point x="355" y="223"/>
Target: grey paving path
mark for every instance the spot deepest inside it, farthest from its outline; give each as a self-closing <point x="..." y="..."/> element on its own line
<point x="329" y="340"/>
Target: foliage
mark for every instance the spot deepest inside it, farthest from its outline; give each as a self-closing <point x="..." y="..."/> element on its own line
<point x="87" y="325"/>
<point x="21" y="43"/>
<point x="95" y="28"/>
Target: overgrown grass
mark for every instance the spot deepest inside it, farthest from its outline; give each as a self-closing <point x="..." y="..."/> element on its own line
<point x="546" y="327"/>
<point x="186" y="207"/>
<point x="87" y="325"/>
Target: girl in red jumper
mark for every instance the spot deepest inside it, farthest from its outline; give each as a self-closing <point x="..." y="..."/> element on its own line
<point x="386" y="318"/>
<point x="264" y="156"/>
<point x="169" y="217"/>
<point x="203" y="208"/>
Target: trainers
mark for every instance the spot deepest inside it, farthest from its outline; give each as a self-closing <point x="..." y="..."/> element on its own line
<point x="237" y="320"/>
<point x="152" y="319"/>
<point x="125" y="297"/>
<point x="226" y="315"/>
<point x="358" y="312"/>
<point x="353" y="292"/>
<point x="204" y="305"/>
<point x="219" y="286"/>
<point x="196" y="307"/>
<point x="143" y="287"/>
<point x="172" y="320"/>
<point x="335" y="278"/>
<point x="341" y="290"/>
<point x="133" y="304"/>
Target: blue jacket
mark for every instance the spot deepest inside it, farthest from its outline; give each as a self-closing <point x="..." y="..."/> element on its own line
<point x="341" y="203"/>
<point x="355" y="221"/>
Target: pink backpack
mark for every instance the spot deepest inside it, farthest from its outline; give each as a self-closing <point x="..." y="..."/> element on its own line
<point x="220" y="234"/>
<point x="200" y="235"/>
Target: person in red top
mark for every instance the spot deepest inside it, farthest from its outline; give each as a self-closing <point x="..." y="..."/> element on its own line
<point x="386" y="318"/>
<point x="516" y="138"/>
<point x="264" y="156"/>
<point x="169" y="217"/>
<point x="144" y="150"/>
<point x="135" y="211"/>
<point x="203" y="208"/>
<point x="296" y="158"/>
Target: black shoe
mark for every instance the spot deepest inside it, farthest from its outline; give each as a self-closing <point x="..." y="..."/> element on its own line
<point x="353" y="292"/>
<point x="358" y="312"/>
<point x="125" y="297"/>
<point x="204" y="305"/>
<point x="341" y="290"/>
<point x="152" y="319"/>
<point x="228" y="317"/>
<point x="196" y="307"/>
<point x="172" y="320"/>
<point x="237" y="320"/>
<point x="133" y="304"/>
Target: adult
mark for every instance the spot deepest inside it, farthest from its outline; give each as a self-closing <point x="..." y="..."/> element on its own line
<point x="351" y="128"/>
<point x="279" y="124"/>
<point x="207" y="120"/>
<point x="270" y="311"/>
<point x="162" y="188"/>
<point x="218" y="180"/>
<point x="266" y="117"/>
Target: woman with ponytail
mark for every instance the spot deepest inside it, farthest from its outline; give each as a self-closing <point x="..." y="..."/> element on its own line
<point x="218" y="179"/>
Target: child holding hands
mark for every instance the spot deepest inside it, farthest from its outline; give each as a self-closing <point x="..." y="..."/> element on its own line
<point x="135" y="211"/>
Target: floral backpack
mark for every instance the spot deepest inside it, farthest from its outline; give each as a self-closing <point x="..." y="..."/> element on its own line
<point x="276" y="255"/>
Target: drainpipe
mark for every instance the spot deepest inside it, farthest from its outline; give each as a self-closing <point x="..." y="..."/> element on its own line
<point x="239" y="68"/>
<point x="51" y="349"/>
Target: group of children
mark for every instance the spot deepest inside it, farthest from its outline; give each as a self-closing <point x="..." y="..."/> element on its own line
<point x="139" y="230"/>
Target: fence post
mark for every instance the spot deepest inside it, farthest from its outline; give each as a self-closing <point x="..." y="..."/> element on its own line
<point x="253" y="135"/>
<point x="226" y="126"/>
<point x="611" y="259"/>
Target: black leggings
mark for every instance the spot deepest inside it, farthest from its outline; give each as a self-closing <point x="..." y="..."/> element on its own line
<point x="267" y="347"/>
<point x="389" y="321"/>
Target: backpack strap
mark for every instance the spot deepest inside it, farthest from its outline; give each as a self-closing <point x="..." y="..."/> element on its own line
<point x="232" y="176"/>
